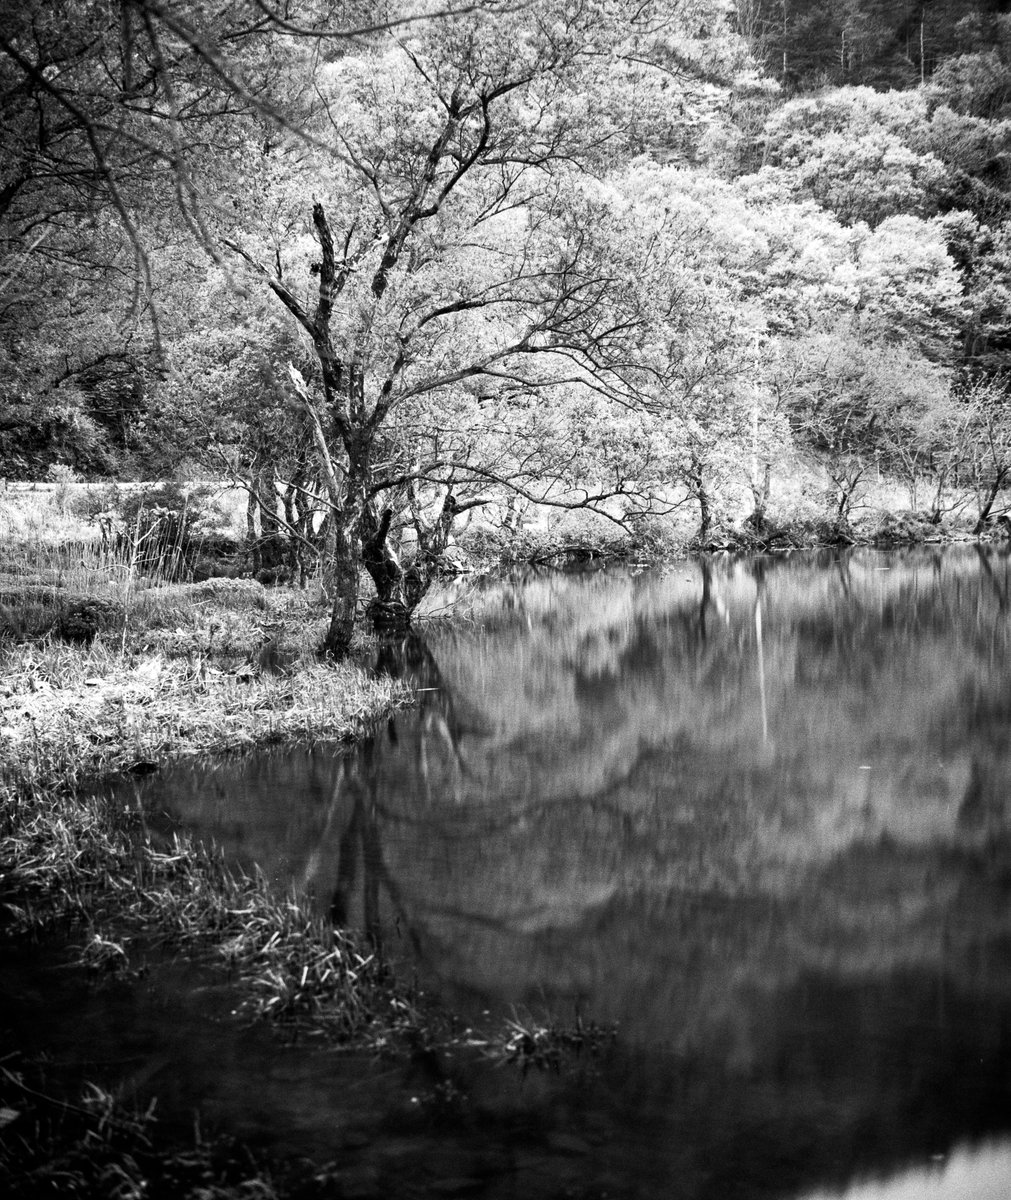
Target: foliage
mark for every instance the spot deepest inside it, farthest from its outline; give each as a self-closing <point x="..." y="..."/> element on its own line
<point x="850" y="150"/>
<point x="983" y="253"/>
<point x="978" y="432"/>
<point x="977" y="84"/>
<point x="162" y="528"/>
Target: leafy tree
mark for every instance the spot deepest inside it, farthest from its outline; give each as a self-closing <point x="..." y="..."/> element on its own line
<point x="977" y="156"/>
<point x="76" y="382"/>
<point x="226" y="403"/>
<point x="122" y="125"/>
<point x="983" y="253"/>
<point x="473" y="293"/>
<point x="853" y="150"/>
<point x="124" y="114"/>
<point x="858" y="403"/>
<point x="978" y="84"/>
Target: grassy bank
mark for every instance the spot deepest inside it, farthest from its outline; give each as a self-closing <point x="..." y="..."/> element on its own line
<point x="165" y="671"/>
<point x="102" y="671"/>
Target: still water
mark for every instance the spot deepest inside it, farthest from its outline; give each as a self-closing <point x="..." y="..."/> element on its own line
<point x="755" y="813"/>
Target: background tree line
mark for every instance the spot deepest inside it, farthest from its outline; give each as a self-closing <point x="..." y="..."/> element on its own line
<point x="808" y="44"/>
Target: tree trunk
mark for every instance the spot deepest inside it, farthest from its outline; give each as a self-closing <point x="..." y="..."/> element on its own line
<point x="349" y="520"/>
<point x="390" y="611"/>
<point x="399" y="588"/>
<point x="760" y="493"/>
<point x="271" y="549"/>
<point x="697" y="484"/>
<point x="252" y="541"/>
<point x="343" y="574"/>
<point x="991" y="496"/>
<point x="705" y="513"/>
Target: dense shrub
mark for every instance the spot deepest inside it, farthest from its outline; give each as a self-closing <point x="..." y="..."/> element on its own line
<point x="82" y="618"/>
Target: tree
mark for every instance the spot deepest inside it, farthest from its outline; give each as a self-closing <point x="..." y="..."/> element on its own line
<point x="983" y="253"/>
<point x="977" y="84"/>
<point x="472" y="286"/>
<point x="226" y="403"/>
<point x="76" y="382"/>
<point x="859" y="153"/>
<point x="860" y="404"/>
<point x="884" y="43"/>
<point x="982" y="426"/>
<point x="123" y="127"/>
<point x="104" y="103"/>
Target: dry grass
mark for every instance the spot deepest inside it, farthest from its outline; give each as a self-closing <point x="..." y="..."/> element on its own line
<point x="103" y="711"/>
<point x="175" y="669"/>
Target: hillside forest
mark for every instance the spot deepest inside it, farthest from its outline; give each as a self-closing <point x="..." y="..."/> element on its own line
<point x="390" y="266"/>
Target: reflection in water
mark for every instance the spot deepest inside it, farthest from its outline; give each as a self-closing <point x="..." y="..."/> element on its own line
<point x="973" y="1174"/>
<point x="755" y="812"/>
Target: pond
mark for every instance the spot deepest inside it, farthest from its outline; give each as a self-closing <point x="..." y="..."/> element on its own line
<point x="754" y="813"/>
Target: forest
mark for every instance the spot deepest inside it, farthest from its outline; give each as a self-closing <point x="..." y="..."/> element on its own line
<point x="390" y="268"/>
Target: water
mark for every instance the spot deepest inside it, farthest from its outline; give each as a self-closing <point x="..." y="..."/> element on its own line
<point x="755" y="813"/>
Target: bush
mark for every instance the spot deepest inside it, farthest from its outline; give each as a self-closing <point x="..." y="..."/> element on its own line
<point x="88" y="500"/>
<point x="82" y="618"/>
<point x="899" y="528"/>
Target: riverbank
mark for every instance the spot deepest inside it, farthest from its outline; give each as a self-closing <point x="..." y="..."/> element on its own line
<point x="175" y="671"/>
<point x="586" y="541"/>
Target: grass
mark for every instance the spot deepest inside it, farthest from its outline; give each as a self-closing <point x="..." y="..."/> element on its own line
<point x="167" y="671"/>
<point x="76" y="863"/>
<point x="68" y="859"/>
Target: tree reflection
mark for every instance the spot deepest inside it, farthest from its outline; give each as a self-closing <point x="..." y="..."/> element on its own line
<point x="435" y="727"/>
<point x="409" y="660"/>
<point x="1000" y="586"/>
